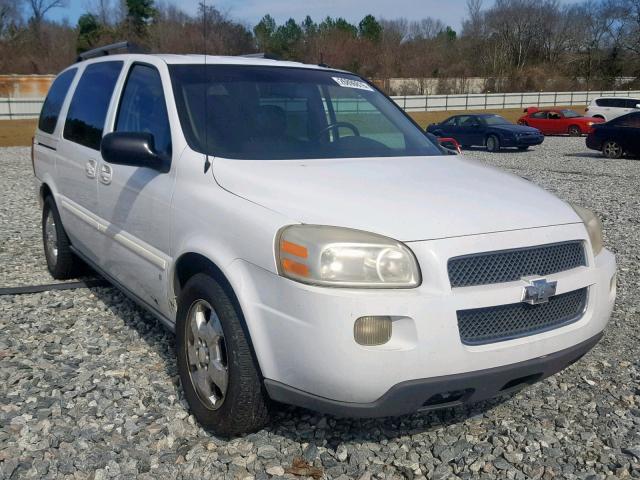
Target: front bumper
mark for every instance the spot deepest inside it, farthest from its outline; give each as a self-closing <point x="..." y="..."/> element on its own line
<point x="440" y="392"/>
<point x="303" y="335"/>
<point x="524" y="141"/>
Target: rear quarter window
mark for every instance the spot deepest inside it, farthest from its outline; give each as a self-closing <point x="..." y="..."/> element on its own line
<point x="55" y="98"/>
<point x="90" y="103"/>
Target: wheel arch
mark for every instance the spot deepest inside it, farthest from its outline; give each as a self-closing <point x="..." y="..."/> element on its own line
<point x="191" y="263"/>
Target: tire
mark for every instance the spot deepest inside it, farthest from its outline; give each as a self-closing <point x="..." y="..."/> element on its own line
<point x="612" y="149"/>
<point x="493" y="143"/>
<point x="61" y="261"/>
<point x="226" y="397"/>
<point x="574" y="131"/>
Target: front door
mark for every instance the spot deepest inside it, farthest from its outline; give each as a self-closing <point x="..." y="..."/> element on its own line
<point x="135" y="201"/>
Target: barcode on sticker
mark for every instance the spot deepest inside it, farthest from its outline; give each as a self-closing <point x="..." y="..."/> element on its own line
<point x="349" y="83"/>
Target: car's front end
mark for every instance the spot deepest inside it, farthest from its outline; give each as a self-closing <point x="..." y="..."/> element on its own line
<point x="473" y="303"/>
<point x="376" y="275"/>
<point x="525" y="137"/>
<point x="480" y="324"/>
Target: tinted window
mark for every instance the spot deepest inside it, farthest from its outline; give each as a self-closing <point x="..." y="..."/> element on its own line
<point x="630" y="121"/>
<point x="467" y="121"/>
<point x="55" y="99"/>
<point x="263" y="113"/>
<point x="88" y="109"/>
<point x="450" y="122"/>
<point x="143" y="107"/>
<point x="495" y="120"/>
<point x="632" y="103"/>
<point x="605" y="102"/>
<point x="539" y="115"/>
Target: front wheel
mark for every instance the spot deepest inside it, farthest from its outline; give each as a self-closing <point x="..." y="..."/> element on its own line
<point x="574" y="131"/>
<point x="612" y="149"/>
<point x="493" y="143"/>
<point x="219" y="375"/>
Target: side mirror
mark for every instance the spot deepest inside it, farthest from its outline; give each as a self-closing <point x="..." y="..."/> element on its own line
<point x="134" y="149"/>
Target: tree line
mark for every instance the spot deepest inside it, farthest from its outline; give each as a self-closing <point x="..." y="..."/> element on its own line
<point x="514" y="44"/>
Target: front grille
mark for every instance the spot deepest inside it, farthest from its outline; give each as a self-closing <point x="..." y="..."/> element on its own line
<point x="504" y="322"/>
<point x="510" y="265"/>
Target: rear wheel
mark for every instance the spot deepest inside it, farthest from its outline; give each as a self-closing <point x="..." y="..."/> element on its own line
<point x="61" y="261"/>
<point x="217" y="370"/>
<point x="575" y="131"/>
<point x="493" y="143"/>
<point x="612" y="149"/>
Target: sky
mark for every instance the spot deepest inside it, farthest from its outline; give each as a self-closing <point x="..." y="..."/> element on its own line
<point x="451" y="12"/>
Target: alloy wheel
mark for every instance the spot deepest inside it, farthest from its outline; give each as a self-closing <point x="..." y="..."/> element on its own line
<point x="207" y="354"/>
<point x="612" y="149"/>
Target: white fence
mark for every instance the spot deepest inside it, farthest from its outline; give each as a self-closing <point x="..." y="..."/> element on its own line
<point x="490" y="101"/>
<point x="17" y="108"/>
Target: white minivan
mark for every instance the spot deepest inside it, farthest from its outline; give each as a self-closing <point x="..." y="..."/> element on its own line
<point x="610" y="108"/>
<point x="307" y="242"/>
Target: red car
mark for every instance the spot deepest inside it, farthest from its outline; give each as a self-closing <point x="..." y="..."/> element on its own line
<point x="552" y="121"/>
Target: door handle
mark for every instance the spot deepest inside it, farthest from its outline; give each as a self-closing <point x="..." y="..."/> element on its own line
<point x="90" y="168"/>
<point x="105" y="174"/>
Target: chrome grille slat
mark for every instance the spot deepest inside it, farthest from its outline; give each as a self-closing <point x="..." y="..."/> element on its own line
<point x="510" y="265"/>
<point x="480" y="326"/>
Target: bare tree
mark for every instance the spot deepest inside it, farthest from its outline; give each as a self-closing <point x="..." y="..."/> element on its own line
<point x="39" y="8"/>
<point x="9" y="15"/>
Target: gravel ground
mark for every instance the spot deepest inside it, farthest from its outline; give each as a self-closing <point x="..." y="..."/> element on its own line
<point x="89" y="389"/>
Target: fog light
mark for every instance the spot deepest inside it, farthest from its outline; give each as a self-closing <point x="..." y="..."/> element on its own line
<point x="372" y="330"/>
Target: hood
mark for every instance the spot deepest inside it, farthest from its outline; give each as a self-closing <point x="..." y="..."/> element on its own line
<point x="515" y="128"/>
<point x="405" y="198"/>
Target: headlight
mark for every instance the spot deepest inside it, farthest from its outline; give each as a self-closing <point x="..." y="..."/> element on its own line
<point x="342" y="257"/>
<point x="589" y="124"/>
<point x="594" y="227"/>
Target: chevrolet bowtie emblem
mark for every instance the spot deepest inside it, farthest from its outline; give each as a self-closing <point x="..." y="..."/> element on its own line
<point x="538" y="290"/>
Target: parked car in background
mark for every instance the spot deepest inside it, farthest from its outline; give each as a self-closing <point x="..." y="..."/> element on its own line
<point x="610" y="108"/>
<point x="487" y="130"/>
<point x="618" y="137"/>
<point x="555" y="121"/>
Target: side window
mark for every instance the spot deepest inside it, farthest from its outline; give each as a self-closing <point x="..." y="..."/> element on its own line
<point x="143" y="108"/>
<point x="88" y="109"/>
<point x="632" y="103"/>
<point x="450" y="122"/>
<point x="605" y="102"/>
<point x="629" y="121"/>
<point x="540" y="115"/>
<point x="55" y="99"/>
<point x="467" y="121"/>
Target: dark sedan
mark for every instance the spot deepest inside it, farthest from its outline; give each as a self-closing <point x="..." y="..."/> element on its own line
<point x="617" y="137"/>
<point x="487" y="130"/>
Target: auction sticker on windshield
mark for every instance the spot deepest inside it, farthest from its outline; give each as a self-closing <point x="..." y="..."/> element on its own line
<point x="349" y="83"/>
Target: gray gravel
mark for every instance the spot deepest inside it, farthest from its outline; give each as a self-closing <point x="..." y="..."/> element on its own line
<point x="89" y="389"/>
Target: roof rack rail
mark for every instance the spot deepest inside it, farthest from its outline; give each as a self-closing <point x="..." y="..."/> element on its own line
<point x="109" y="49"/>
<point x="268" y="56"/>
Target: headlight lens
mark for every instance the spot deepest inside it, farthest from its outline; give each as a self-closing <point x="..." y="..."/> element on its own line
<point x="342" y="257"/>
<point x="594" y="227"/>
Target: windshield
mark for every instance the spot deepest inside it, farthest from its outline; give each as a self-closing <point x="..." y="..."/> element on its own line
<point x="570" y="114"/>
<point x="495" y="120"/>
<point x="264" y="113"/>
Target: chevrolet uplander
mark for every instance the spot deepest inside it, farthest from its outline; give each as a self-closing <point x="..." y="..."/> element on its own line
<point x="307" y="242"/>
